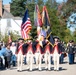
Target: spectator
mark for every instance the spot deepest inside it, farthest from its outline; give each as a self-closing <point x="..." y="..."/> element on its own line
<point x="63" y="52"/>
<point x="8" y="55"/>
<point x="13" y="49"/>
<point x="2" y="52"/>
<point x="71" y="52"/>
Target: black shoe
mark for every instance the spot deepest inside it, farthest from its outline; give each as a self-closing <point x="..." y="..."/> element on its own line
<point x="54" y="70"/>
<point x="70" y="63"/>
<point x="19" y="70"/>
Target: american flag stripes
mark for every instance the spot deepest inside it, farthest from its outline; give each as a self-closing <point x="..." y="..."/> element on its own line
<point x="26" y="25"/>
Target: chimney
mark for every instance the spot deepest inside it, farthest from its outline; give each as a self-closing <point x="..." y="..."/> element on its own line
<point x="7" y="7"/>
<point x="1" y="8"/>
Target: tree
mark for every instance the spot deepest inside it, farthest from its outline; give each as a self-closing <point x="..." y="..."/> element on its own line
<point x="67" y="9"/>
<point x="14" y="36"/>
<point x="18" y="7"/>
<point x="74" y="35"/>
<point x="58" y="22"/>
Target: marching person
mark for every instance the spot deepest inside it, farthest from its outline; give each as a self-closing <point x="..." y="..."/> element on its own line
<point x="47" y="55"/>
<point x="38" y="56"/>
<point x="29" y="54"/>
<point x="39" y="49"/>
<point x="56" y="53"/>
<point x="20" y="52"/>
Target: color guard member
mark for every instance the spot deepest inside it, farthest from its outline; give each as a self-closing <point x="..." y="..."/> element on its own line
<point x="38" y="52"/>
<point x="29" y="55"/>
<point x="56" y="53"/>
<point x="47" y="55"/>
<point x="20" y="52"/>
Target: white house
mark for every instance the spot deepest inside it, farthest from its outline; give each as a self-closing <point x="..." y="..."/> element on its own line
<point x="8" y="21"/>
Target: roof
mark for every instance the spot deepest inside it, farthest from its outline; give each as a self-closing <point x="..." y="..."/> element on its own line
<point x="6" y="14"/>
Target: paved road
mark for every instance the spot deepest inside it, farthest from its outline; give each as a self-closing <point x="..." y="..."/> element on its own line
<point x="66" y="69"/>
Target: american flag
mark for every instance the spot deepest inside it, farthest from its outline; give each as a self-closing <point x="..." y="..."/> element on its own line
<point x="26" y="25"/>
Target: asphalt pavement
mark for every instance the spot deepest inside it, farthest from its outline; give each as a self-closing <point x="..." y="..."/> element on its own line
<point x="65" y="69"/>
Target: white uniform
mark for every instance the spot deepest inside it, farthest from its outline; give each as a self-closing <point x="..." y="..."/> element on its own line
<point x="39" y="49"/>
<point x="29" y="57"/>
<point x="38" y="57"/>
<point x="19" y="61"/>
<point x="19" y="53"/>
<point x="47" y="56"/>
<point x="56" y="56"/>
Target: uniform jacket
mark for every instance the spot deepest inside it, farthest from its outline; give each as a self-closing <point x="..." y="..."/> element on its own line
<point x="36" y="45"/>
<point x="71" y="49"/>
<point x="20" y="47"/>
<point x="48" y="47"/>
<point x="59" y="48"/>
<point x="28" y="45"/>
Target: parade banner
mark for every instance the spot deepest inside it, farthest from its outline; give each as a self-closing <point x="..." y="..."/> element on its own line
<point x="37" y="16"/>
<point x="46" y="25"/>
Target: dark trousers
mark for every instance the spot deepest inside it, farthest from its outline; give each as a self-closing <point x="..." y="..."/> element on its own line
<point x="7" y="62"/>
<point x="2" y="67"/>
<point x="61" y="58"/>
<point x="71" y="58"/>
<point x="1" y="64"/>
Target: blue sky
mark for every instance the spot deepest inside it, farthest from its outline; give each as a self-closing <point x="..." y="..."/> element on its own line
<point x="7" y="1"/>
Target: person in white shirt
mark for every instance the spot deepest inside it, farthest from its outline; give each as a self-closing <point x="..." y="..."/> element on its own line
<point x="14" y="58"/>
